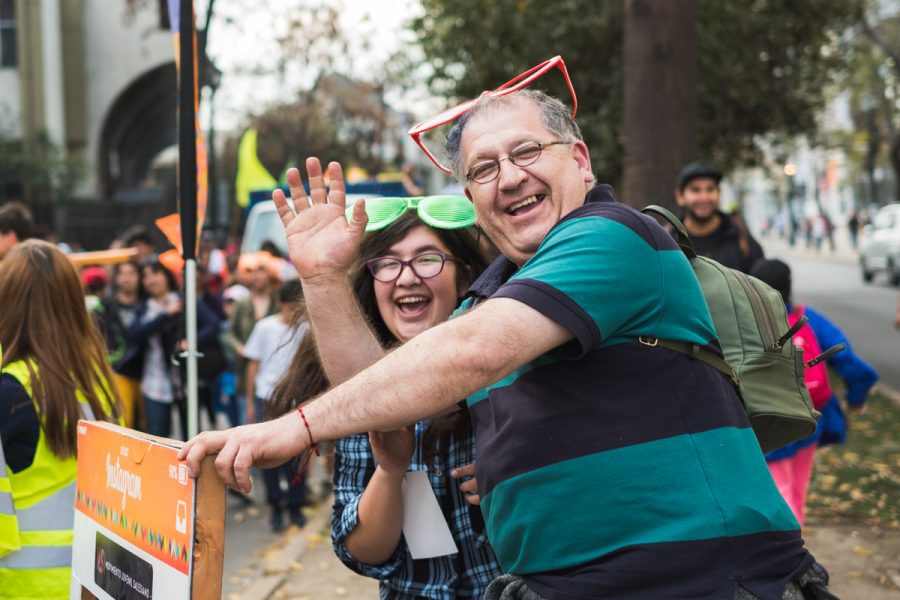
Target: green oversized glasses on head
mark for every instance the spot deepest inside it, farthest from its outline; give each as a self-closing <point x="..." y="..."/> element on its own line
<point x="441" y="212"/>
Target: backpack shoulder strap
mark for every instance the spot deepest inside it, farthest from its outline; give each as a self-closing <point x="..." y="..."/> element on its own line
<point x="683" y="239"/>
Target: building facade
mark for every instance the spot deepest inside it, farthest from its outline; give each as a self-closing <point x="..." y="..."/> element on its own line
<point x="96" y="78"/>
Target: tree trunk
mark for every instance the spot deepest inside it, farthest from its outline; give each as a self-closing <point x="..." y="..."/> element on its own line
<point x="660" y="98"/>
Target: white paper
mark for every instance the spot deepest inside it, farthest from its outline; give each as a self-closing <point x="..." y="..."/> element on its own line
<point x="424" y="526"/>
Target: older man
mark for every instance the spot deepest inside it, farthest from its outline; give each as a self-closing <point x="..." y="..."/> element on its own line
<point x="607" y="467"/>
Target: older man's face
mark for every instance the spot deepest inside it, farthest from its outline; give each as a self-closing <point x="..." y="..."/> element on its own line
<point x="519" y="207"/>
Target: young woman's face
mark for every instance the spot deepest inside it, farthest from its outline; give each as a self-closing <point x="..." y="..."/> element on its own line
<point x="127" y="278"/>
<point x="155" y="282"/>
<point x="409" y="305"/>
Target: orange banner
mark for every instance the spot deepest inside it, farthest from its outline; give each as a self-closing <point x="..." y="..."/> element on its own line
<point x="137" y="489"/>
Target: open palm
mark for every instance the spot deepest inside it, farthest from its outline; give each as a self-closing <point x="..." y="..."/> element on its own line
<point x="321" y="242"/>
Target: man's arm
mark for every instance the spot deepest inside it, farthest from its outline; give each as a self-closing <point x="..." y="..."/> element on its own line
<point x="344" y="340"/>
<point x="424" y="376"/>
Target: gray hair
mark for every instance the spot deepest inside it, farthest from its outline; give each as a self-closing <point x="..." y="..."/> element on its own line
<point x="554" y="114"/>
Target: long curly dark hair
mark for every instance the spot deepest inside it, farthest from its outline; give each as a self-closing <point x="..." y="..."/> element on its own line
<point x="305" y="379"/>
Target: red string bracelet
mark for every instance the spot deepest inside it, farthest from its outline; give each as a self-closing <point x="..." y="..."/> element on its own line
<point x="313" y="446"/>
<point x="312" y="443"/>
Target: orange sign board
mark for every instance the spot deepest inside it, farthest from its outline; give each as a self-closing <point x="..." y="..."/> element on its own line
<point x="137" y="489"/>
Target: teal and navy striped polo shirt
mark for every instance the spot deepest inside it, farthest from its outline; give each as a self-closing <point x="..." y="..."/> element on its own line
<point x="608" y="468"/>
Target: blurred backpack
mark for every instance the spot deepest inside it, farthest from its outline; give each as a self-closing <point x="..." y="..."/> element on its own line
<point x="751" y="323"/>
<point x="816" y="376"/>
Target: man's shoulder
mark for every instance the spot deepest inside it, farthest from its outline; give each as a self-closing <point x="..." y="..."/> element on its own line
<point x="611" y="225"/>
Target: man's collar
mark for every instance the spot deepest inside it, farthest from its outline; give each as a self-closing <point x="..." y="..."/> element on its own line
<point x="497" y="273"/>
<point x="600" y="193"/>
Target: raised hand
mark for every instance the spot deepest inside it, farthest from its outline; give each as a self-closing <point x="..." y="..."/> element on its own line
<point x="321" y="242"/>
<point x="393" y="450"/>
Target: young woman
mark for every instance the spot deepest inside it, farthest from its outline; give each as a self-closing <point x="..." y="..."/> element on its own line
<point x="118" y="314"/>
<point x="156" y="336"/>
<point x="405" y="278"/>
<point x="53" y="372"/>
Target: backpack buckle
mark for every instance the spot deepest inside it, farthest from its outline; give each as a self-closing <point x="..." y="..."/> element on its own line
<point x="648" y="341"/>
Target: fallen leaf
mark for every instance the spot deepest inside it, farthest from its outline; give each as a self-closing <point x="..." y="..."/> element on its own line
<point x="862" y="551"/>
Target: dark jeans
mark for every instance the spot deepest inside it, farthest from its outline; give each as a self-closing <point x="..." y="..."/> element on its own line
<point x="159" y="417"/>
<point x="295" y="496"/>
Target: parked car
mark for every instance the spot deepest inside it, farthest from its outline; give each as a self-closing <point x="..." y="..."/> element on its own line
<point x="879" y="247"/>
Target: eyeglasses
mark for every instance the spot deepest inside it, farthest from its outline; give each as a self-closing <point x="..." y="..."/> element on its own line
<point x="522" y="155"/>
<point x="425" y="266"/>
<point x="513" y="85"/>
<point x="441" y="212"/>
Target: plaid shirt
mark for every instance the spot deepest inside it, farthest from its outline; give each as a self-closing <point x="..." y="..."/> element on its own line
<point x="465" y="574"/>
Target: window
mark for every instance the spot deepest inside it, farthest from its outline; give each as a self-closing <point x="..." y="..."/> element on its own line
<point x="8" y="56"/>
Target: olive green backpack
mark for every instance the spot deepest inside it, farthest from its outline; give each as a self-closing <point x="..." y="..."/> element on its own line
<point x="751" y="322"/>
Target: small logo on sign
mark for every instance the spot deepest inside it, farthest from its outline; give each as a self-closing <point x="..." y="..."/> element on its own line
<point x="181" y="517"/>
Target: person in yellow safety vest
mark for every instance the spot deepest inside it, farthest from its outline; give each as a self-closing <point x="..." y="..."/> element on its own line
<point x="53" y="371"/>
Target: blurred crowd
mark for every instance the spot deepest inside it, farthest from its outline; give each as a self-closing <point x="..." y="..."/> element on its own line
<point x="137" y="302"/>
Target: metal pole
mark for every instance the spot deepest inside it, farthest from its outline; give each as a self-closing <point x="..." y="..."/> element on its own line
<point x="190" y="313"/>
<point x="187" y="173"/>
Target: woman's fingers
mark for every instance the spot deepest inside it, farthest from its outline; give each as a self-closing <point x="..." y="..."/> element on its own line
<point x="469" y="487"/>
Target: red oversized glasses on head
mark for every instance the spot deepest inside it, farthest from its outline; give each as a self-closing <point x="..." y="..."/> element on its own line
<point x="516" y="83"/>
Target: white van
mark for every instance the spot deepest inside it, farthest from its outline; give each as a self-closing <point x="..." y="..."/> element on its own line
<point x="264" y="224"/>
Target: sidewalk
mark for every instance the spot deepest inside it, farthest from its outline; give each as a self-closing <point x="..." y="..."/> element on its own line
<point x="844" y="252"/>
<point x="301" y="565"/>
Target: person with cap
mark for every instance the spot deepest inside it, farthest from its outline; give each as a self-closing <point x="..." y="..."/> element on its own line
<point x="718" y="235"/>
<point x="608" y="466"/>
<point x="94" y="280"/>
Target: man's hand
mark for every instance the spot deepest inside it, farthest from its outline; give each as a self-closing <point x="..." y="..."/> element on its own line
<point x="393" y="450"/>
<point x="265" y="445"/>
<point x="469" y="487"/>
<point x="321" y="242"/>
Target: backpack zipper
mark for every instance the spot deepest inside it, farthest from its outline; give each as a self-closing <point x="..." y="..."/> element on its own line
<point x="759" y="310"/>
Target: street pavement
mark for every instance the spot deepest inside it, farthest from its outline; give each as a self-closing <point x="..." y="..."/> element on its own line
<point x="298" y="563"/>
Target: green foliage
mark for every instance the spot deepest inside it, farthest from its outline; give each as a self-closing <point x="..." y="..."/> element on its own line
<point x="36" y="168"/>
<point x="764" y="68"/>
<point x="873" y="85"/>
<point x="763" y="65"/>
<point x="477" y="45"/>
